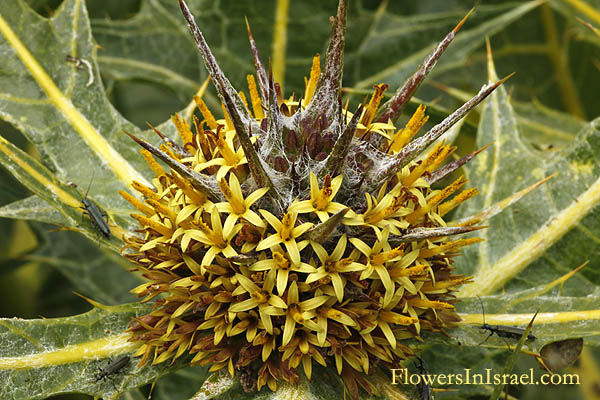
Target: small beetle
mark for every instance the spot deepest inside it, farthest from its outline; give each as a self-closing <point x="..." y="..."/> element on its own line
<point x="112" y="368"/>
<point x="97" y="216"/>
<point x="503" y="331"/>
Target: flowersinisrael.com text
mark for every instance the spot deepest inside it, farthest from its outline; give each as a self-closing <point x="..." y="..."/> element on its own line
<point x="468" y="377"/>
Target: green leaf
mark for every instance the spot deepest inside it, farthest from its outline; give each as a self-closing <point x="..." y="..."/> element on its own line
<point x="41" y="358"/>
<point x="554" y="61"/>
<point x="586" y="11"/>
<point x="465" y="43"/>
<point x="10" y="190"/>
<point x="546" y="129"/>
<point x="559" y="317"/>
<point x="48" y="99"/>
<point x="49" y="188"/>
<point x="467" y="347"/>
<point x="543" y="128"/>
<point x="530" y="244"/>
<point x="215" y="385"/>
<point x="33" y="208"/>
<point x="154" y="47"/>
<point x="324" y="385"/>
<point x="99" y="274"/>
<point x="181" y="384"/>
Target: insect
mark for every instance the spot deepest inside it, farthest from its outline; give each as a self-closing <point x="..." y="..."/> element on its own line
<point x="97" y="216"/>
<point x="503" y="331"/>
<point x="112" y="368"/>
<point x="78" y="64"/>
<point x="424" y="388"/>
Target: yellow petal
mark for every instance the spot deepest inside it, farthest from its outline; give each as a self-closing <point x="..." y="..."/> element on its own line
<point x="243" y="305"/>
<point x="338" y="286"/>
<point x="288" y="330"/>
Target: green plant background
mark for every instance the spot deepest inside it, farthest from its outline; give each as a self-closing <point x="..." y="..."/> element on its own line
<point x="540" y="122"/>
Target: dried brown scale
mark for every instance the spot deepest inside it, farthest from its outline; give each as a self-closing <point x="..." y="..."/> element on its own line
<point x="263" y="272"/>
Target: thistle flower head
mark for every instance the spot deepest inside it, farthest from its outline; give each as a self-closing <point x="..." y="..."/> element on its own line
<point x="294" y="231"/>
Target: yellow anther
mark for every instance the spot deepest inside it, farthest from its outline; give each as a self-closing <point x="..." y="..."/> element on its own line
<point x="404" y="135"/>
<point x="424" y="303"/>
<point x="146" y="191"/>
<point x="169" y="152"/>
<point x="161" y="208"/>
<point x="280" y="260"/>
<point x="243" y="97"/>
<point x="343" y="263"/>
<point x="324" y="196"/>
<point x="136" y="203"/>
<point x="228" y="124"/>
<point x="256" y="102"/>
<point x="396" y="318"/>
<point x="182" y="127"/>
<point x="371" y="108"/>
<point x="446" y="284"/>
<point x="214" y="237"/>
<point x="158" y="227"/>
<point x="158" y="170"/>
<point x="208" y="117"/>
<point x="260" y="297"/>
<point x="444" y="208"/>
<point x="424" y="165"/>
<point x="203" y="227"/>
<point x="426" y="253"/>
<point x="311" y="85"/>
<point x="412" y="271"/>
<point x="435" y="200"/>
<point x="387" y="211"/>
<point x="446" y="151"/>
<point x="194" y="195"/>
<point x="294" y="311"/>
<point x="381" y="258"/>
<point x="286" y="227"/>
<point x="237" y="205"/>
<point x="202" y="143"/>
<point x="224" y="149"/>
